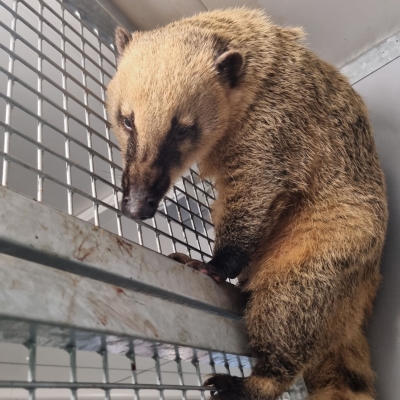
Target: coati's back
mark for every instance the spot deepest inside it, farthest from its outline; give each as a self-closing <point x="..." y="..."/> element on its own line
<point x="301" y="210"/>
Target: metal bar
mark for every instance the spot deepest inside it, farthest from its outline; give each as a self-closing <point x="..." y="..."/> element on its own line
<point x="240" y="366"/>
<point x="94" y="385"/>
<point x="62" y="35"/>
<point x="43" y="76"/>
<point x="71" y="188"/>
<point x="177" y="204"/>
<point x="169" y="225"/>
<point x="109" y="148"/>
<point x="66" y="115"/>
<point x="100" y="14"/>
<point x="226" y="365"/>
<point x="89" y="143"/>
<point x="60" y="156"/>
<point x="69" y="26"/>
<point x="10" y="84"/>
<point x="200" y="217"/>
<point x="132" y="357"/>
<point x="56" y="106"/>
<point x="180" y="223"/>
<point x="73" y="245"/>
<point x="212" y="362"/>
<point x="156" y="359"/>
<point x="178" y="361"/>
<point x="53" y="64"/>
<point x="89" y="197"/>
<point x="73" y="370"/>
<point x="157" y="233"/>
<point x="31" y="346"/>
<point x="201" y="190"/>
<point x="189" y="195"/>
<point x="106" y="375"/>
<point x="372" y="60"/>
<point x="67" y="300"/>
<point x="195" y="362"/>
<point x="66" y="135"/>
<point x="39" y="195"/>
<point x="59" y="33"/>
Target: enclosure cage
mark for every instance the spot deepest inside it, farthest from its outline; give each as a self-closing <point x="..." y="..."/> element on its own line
<point x="90" y="307"/>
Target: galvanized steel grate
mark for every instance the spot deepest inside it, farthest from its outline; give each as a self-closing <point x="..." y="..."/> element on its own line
<point x="58" y="149"/>
<point x="107" y="375"/>
<point x="57" y="145"/>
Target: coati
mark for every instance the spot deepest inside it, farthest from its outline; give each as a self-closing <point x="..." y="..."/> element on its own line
<point x="301" y="211"/>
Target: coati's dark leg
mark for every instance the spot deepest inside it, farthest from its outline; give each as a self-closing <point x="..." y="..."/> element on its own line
<point x="255" y="387"/>
<point x="239" y="232"/>
<point x="343" y="374"/>
<point x="227" y="262"/>
<point x="295" y="316"/>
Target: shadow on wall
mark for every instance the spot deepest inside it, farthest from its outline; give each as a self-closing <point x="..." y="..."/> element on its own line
<point x="384" y="332"/>
<point x="380" y="91"/>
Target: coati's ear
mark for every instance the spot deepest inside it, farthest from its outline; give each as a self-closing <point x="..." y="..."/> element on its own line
<point x="230" y="66"/>
<point x="122" y="39"/>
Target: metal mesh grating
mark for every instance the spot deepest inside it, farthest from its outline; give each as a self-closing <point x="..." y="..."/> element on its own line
<point x="71" y="374"/>
<point x="57" y="145"/>
<point x="58" y="149"/>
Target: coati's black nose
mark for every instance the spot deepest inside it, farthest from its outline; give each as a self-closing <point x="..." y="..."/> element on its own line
<point x="141" y="207"/>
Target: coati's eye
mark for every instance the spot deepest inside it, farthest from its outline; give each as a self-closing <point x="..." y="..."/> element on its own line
<point x="128" y="123"/>
<point x="182" y="131"/>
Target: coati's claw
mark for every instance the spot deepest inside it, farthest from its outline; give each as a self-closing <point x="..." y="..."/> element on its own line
<point x="224" y="386"/>
<point x="180" y="257"/>
<point x="200" y="266"/>
<point x="207" y="269"/>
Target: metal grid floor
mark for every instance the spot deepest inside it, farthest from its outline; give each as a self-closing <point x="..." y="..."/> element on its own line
<point x="81" y="374"/>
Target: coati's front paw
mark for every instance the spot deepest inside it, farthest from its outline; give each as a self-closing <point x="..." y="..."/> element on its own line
<point x="206" y="268"/>
<point x="225" y="387"/>
<point x="180" y="257"/>
<point x="200" y="266"/>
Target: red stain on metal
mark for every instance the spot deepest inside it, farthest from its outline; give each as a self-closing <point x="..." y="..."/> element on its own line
<point x="83" y="251"/>
<point x="120" y="291"/>
<point x="150" y="326"/>
<point x="124" y="246"/>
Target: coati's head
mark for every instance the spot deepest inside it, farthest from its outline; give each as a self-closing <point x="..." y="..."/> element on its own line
<point x="169" y="103"/>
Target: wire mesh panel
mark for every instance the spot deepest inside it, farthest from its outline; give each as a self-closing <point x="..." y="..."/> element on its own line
<point x="57" y="148"/>
<point x="31" y="371"/>
<point x="47" y="373"/>
<point x="57" y="144"/>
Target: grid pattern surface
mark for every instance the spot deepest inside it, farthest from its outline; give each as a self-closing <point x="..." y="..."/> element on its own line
<point x="33" y="372"/>
<point x="57" y="144"/>
<point x="58" y="149"/>
<point x="30" y="371"/>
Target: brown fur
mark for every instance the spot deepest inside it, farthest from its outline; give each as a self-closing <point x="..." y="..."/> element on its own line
<point x="301" y="210"/>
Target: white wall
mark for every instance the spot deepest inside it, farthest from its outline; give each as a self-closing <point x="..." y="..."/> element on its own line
<point x="381" y="91"/>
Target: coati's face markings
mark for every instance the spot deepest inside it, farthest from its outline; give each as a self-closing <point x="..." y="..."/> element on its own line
<point x="169" y="104"/>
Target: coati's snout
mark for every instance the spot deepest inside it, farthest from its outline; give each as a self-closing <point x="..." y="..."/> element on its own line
<point x="139" y="206"/>
<point x="142" y="192"/>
